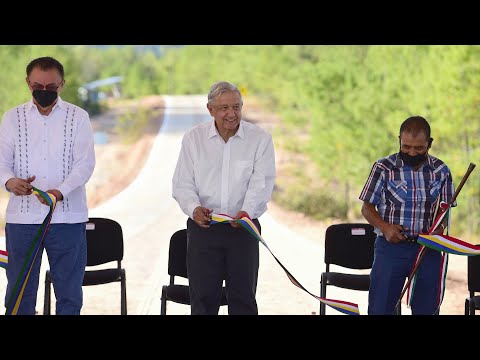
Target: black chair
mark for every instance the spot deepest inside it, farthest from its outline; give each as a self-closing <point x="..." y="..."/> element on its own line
<point x="177" y="267"/>
<point x="104" y="245"/>
<point x="472" y="302"/>
<point x="349" y="245"/>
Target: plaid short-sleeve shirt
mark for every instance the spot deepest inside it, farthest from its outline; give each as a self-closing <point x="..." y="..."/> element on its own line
<point x="407" y="197"/>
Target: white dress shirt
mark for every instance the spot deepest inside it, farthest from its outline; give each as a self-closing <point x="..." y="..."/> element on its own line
<point x="58" y="149"/>
<point x="226" y="177"/>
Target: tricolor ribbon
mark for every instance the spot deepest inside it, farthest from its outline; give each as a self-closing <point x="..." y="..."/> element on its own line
<point x="444" y="212"/>
<point x="15" y="298"/>
<point x="3" y="259"/>
<point x="247" y="223"/>
<point x="446" y="245"/>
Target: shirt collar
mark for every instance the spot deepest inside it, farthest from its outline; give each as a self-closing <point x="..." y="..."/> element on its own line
<point x="399" y="162"/>
<point x="212" y="130"/>
<point x="60" y="103"/>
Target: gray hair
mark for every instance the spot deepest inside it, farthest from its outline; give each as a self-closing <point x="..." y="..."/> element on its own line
<point x="219" y="88"/>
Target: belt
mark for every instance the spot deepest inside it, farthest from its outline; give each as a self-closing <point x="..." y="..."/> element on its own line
<point x="411" y="239"/>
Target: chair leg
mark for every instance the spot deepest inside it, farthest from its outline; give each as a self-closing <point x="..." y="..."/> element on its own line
<point x="124" y="293"/>
<point x="47" y="296"/>
<point x="323" y="292"/>
<point x="471" y="303"/>
<point x="163" y="301"/>
<point x="467" y="307"/>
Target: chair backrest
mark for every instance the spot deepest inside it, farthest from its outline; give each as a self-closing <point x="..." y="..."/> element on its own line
<point x="104" y="241"/>
<point x="350" y="245"/>
<point x="473" y="274"/>
<point x="177" y="254"/>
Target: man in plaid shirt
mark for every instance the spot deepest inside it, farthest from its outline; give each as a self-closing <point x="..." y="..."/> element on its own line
<point x="400" y="198"/>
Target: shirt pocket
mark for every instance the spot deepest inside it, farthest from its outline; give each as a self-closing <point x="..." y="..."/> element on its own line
<point x="396" y="191"/>
<point x="434" y="190"/>
<point x="243" y="170"/>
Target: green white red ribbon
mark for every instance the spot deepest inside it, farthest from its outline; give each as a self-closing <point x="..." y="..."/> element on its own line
<point x="15" y="298"/>
<point x="444" y="211"/>
<point x="247" y="223"/>
<point x="446" y="245"/>
<point x="3" y="259"/>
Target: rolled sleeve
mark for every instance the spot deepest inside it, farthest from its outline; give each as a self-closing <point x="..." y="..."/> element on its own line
<point x="373" y="187"/>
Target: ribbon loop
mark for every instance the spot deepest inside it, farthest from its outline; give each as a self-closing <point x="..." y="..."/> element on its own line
<point x="247" y="223"/>
<point x="15" y="298"/>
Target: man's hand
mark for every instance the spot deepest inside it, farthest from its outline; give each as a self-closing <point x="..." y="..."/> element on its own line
<point x="58" y="195"/>
<point x="20" y="186"/>
<point x="202" y="216"/>
<point x="240" y="214"/>
<point x="439" y="230"/>
<point x="394" y="233"/>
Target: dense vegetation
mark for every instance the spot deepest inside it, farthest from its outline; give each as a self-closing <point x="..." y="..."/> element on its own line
<point x="340" y="106"/>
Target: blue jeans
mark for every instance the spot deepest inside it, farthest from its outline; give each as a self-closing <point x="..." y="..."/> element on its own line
<point x="392" y="265"/>
<point x="66" y="248"/>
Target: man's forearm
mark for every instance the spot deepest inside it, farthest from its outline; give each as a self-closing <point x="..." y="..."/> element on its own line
<point x="371" y="214"/>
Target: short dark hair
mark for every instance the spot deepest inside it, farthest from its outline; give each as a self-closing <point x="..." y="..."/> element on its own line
<point x="45" y="63"/>
<point x="414" y="125"/>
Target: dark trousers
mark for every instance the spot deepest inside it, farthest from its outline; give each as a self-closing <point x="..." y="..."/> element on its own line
<point x="219" y="253"/>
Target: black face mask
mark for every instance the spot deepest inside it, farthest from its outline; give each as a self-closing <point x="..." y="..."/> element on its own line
<point x="44" y="97"/>
<point x="413" y="161"/>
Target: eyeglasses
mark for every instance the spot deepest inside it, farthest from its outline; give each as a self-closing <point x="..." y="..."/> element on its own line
<point x="49" y="87"/>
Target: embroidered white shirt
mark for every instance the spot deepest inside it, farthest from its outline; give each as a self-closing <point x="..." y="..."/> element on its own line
<point x="226" y="177"/>
<point x="58" y="149"/>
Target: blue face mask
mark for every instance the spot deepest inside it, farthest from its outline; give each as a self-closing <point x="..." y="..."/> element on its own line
<point x="413" y="161"/>
<point x="44" y="98"/>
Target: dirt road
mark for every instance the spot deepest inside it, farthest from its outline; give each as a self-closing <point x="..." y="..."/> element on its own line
<point x="149" y="215"/>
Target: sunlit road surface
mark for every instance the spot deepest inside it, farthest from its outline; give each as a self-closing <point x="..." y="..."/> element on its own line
<point x="149" y="215"/>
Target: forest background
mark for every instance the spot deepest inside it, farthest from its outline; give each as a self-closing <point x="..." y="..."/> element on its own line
<point x="340" y="107"/>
